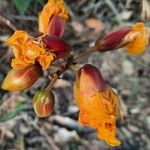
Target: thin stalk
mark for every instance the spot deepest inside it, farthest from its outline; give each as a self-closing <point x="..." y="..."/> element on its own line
<point x="84" y="55"/>
<point x="74" y="68"/>
<point x="51" y="85"/>
<point x="70" y="64"/>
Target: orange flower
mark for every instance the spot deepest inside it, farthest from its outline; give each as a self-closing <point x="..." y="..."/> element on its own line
<point x="27" y="51"/>
<point x="99" y="105"/>
<point x="133" y="39"/>
<point x="53" y="7"/>
<point x="139" y="37"/>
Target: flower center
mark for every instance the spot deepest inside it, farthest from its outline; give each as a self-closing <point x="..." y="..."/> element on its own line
<point x="30" y="52"/>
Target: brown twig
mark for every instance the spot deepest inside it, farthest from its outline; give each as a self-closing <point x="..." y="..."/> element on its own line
<point x="7" y="23"/>
<point x="42" y="132"/>
<point x="84" y="54"/>
<point x="25" y="18"/>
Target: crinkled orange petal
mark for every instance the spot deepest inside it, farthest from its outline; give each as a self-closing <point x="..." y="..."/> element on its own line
<point x="100" y="111"/>
<point x="141" y="39"/>
<point x="53" y="7"/>
<point x="32" y="51"/>
<point x="16" y="41"/>
<point x="45" y="60"/>
<point x="27" y="51"/>
<point x="18" y="63"/>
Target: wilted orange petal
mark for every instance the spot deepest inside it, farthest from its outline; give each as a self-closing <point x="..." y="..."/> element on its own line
<point x="99" y="105"/>
<point x="17" y="40"/>
<point x="107" y="132"/>
<point x="18" y="63"/>
<point x="45" y="60"/>
<point x="101" y="112"/>
<point x="140" y="40"/>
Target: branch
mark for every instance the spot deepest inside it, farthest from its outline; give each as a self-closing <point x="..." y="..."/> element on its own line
<point x="7" y="23"/>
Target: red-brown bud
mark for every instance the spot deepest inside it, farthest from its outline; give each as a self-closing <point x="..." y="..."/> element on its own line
<point x="112" y="40"/>
<point x="56" y="45"/>
<point x="90" y="80"/>
<point x="43" y="103"/>
<point x="18" y="80"/>
<point x="56" y="26"/>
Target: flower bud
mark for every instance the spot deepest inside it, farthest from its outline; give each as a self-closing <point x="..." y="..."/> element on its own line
<point x="56" y="26"/>
<point x="43" y="103"/>
<point x="112" y="40"/>
<point x="134" y="39"/>
<point x="90" y="80"/>
<point x="17" y="80"/>
<point x="56" y="45"/>
<point x="52" y="8"/>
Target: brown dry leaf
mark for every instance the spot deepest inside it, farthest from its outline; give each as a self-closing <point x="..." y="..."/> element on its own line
<point x="95" y="24"/>
<point x="77" y="26"/>
<point x="62" y="83"/>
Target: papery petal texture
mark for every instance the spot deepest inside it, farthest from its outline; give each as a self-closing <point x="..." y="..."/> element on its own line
<point x="99" y="108"/>
<point x="138" y="39"/>
<point x="28" y="51"/>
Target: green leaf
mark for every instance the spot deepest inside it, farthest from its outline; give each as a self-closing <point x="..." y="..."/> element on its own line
<point x="22" y="5"/>
<point x="5" y="116"/>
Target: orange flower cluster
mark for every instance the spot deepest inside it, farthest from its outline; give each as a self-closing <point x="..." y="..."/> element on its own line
<point x="99" y="105"/>
<point x="27" y="51"/>
<point x="34" y="54"/>
<point x="53" y="7"/>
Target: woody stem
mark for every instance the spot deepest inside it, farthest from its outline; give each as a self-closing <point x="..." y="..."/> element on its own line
<point x="51" y="85"/>
<point x="56" y="76"/>
<point x="83" y="55"/>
